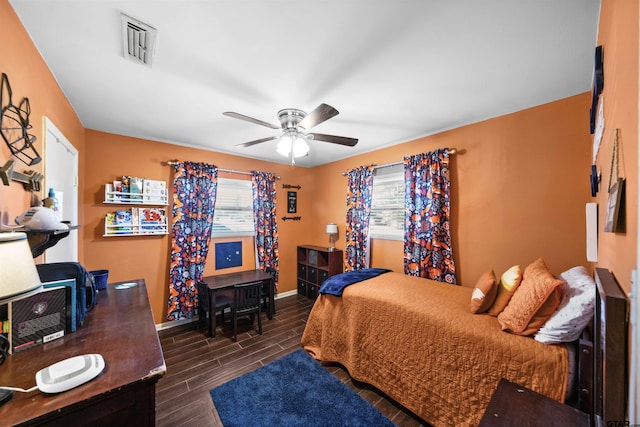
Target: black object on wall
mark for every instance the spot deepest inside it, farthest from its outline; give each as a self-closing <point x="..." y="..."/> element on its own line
<point x="15" y="126"/>
<point x="598" y="85"/>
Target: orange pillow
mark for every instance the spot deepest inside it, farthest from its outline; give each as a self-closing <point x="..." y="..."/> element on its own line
<point x="506" y="287"/>
<point x="484" y="294"/>
<point x="534" y="301"/>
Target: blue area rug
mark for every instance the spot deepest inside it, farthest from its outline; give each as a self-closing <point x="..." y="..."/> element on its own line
<point x="294" y="390"/>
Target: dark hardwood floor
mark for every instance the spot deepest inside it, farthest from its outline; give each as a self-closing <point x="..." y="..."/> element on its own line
<point x="197" y="363"/>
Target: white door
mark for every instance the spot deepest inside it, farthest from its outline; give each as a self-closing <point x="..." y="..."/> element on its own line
<point x="61" y="174"/>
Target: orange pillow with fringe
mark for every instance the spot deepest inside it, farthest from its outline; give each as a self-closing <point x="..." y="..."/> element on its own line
<point x="484" y="293"/>
<point x="533" y="302"/>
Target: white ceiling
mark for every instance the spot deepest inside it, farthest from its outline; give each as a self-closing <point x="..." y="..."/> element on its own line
<point x="395" y="69"/>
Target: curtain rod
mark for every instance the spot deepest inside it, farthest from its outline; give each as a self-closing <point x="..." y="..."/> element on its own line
<point x="386" y="165"/>
<point x="175" y="162"/>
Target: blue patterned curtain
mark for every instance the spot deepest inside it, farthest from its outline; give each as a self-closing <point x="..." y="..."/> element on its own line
<point x="360" y="183"/>
<point x="194" y="194"/>
<point x="264" y="215"/>
<point x="427" y="240"/>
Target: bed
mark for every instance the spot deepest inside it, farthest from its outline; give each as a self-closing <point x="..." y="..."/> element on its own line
<point x="417" y="341"/>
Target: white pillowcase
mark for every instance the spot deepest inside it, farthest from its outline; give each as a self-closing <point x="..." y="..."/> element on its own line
<point x="575" y="309"/>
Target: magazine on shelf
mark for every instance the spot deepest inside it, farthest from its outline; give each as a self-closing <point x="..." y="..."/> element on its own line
<point x="111" y="218"/>
<point x="124" y="184"/>
<point x="152" y="219"/>
<point x="135" y="189"/>
<point x="154" y="191"/>
<point x="135" y="219"/>
<point x="116" y="187"/>
<point x="123" y="220"/>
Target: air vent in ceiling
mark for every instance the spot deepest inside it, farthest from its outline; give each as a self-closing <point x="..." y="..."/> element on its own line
<point x="138" y="40"/>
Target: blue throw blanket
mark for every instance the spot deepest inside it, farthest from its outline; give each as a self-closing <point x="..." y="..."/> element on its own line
<point x="334" y="285"/>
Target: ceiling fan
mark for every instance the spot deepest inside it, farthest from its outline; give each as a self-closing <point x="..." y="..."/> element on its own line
<point x="295" y="125"/>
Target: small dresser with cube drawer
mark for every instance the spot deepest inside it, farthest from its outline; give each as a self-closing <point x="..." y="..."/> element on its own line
<point x="315" y="265"/>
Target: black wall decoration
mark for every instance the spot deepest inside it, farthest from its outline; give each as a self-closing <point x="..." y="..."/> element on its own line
<point x="598" y="85"/>
<point x="298" y="187"/>
<point x="594" y="180"/>
<point x="14" y="125"/>
<point x="292" y="202"/>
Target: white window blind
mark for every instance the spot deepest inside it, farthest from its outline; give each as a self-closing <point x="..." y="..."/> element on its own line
<point x="233" y="214"/>
<point x="387" y="203"/>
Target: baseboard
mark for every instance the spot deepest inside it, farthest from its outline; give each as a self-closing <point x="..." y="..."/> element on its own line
<point x="174" y="323"/>
<point x="286" y="294"/>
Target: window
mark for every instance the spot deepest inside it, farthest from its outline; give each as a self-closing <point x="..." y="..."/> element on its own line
<point x="387" y="203"/>
<point x="233" y="214"/>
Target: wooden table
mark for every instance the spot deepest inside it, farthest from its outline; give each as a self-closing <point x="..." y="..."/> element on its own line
<point x="514" y="405"/>
<point x="121" y="328"/>
<point x="226" y="281"/>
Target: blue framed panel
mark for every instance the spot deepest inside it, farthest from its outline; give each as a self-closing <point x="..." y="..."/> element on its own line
<point x="228" y="254"/>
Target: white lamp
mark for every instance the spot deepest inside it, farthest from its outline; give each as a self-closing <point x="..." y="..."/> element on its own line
<point x="294" y="141"/>
<point x="18" y="273"/>
<point x="18" y="276"/>
<point x="332" y="231"/>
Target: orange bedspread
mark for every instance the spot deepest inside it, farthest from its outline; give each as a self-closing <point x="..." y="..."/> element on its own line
<point x="417" y="341"/>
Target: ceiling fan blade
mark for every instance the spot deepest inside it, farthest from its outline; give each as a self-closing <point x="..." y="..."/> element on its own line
<point x="322" y="113"/>
<point x="342" y="140"/>
<point x="257" y="141"/>
<point x="250" y="119"/>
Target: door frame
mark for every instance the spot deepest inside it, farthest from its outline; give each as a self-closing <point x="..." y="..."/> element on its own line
<point x="70" y="200"/>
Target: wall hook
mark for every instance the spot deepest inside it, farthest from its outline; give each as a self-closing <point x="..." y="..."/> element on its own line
<point x="30" y="180"/>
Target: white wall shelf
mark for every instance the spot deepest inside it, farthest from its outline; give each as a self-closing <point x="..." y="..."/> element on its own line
<point x="136" y="222"/>
<point x="144" y="220"/>
<point x="147" y="192"/>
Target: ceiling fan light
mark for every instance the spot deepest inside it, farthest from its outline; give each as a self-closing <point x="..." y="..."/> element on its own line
<point x="300" y="147"/>
<point x="284" y="145"/>
<point x="293" y="139"/>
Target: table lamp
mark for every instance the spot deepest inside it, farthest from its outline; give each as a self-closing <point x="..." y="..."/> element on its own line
<point x="332" y="231"/>
<point x="18" y="277"/>
<point x="18" y="273"/>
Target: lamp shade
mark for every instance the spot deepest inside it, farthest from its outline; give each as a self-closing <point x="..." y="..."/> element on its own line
<point x="332" y="228"/>
<point x="18" y="273"/>
<point x="293" y="140"/>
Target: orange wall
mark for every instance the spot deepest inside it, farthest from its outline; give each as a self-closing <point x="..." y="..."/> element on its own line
<point x="618" y="35"/>
<point x="519" y="187"/>
<point x="30" y="77"/>
<point x="112" y="156"/>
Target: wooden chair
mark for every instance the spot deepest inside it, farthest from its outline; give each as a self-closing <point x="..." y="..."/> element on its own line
<point x="246" y="301"/>
<point x="222" y="303"/>
<point x="264" y="295"/>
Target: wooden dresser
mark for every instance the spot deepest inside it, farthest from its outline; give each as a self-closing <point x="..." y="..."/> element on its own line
<point x="121" y="328"/>
<point x="315" y="265"/>
<point x="514" y="405"/>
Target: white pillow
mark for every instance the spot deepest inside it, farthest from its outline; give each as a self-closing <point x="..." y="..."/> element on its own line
<point x="575" y="309"/>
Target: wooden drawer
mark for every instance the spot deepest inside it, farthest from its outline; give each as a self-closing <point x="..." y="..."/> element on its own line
<point x="312" y="291"/>
<point x="302" y="288"/>
<point x="313" y="275"/>
<point x="322" y="276"/>
<point x="302" y="271"/>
